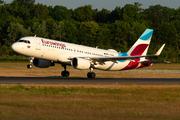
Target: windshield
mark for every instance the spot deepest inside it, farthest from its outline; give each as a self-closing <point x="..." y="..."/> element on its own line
<point x="25" y="41"/>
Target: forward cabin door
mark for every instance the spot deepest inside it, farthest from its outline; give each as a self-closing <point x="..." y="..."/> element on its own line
<point x="38" y="44"/>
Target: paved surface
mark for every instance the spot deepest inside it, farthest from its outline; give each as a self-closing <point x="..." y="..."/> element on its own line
<point x="60" y="80"/>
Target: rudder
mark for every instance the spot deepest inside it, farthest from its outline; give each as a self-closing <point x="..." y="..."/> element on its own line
<point x="141" y="46"/>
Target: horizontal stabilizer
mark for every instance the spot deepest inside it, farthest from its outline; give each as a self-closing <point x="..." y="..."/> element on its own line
<point x="160" y="50"/>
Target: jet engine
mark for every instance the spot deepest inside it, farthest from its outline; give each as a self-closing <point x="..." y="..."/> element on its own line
<point x="81" y="64"/>
<point x="42" y="63"/>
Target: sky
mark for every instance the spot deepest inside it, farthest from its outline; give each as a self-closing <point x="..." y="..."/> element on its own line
<point x="107" y="4"/>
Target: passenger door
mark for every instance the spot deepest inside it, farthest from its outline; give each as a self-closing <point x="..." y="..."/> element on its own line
<point x="38" y="44"/>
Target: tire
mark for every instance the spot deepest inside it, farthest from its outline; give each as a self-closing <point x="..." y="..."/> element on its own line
<point x="91" y="75"/>
<point x="65" y="73"/>
<point x="29" y="66"/>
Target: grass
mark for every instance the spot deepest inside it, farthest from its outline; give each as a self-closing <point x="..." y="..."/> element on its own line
<point x="89" y="102"/>
<point x="14" y="58"/>
<point x="16" y="69"/>
<point x="95" y="102"/>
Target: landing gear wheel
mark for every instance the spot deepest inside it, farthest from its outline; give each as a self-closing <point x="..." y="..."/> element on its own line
<point x="29" y="66"/>
<point x="91" y="75"/>
<point x="65" y="73"/>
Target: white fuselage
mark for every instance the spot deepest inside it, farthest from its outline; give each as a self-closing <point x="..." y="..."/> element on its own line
<point x="61" y="52"/>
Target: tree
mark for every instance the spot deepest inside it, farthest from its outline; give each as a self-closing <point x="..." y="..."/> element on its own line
<point x="167" y="33"/>
<point x="169" y="14"/>
<point x="88" y="33"/>
<point x="58" y="31"/>
<point x="177" y="14"/>
<point x="21" y="8"/>
<point x="40" y="29"/>
<point x="1" y="37"/>
<point x="103" y="39"/>
<point x="83" y="14"/>
<point x="117" y="29"/>
<point x="49" y="25"/>
<point x="132" y="12"/>
<point x="158" y="14"/>
<point x="60" y="13"/>
<point x="71" y="30"/>
<point x="25" y="3"/>
<point x="15" y="32"/>
<point x="4" y="15"/>
<point x="116" y="14"/>
<point x="102" y="16"/>
<point x="120" y="32"/>
<point x="1" y="2"/>
<point x="40" y="12"/>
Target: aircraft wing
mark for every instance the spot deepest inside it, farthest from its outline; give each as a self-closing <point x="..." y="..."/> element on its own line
<point x="103" y="59"/>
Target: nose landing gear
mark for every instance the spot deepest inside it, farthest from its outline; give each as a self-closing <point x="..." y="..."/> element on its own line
<point x="30" y="64"/>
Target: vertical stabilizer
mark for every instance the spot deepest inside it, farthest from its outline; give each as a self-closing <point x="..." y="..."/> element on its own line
<point x="141" y="46"/>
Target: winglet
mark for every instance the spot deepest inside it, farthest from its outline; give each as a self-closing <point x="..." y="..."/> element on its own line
<point x="160" y="50"/>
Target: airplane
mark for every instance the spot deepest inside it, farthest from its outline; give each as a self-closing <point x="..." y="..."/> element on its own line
<point x="45" y="52"/>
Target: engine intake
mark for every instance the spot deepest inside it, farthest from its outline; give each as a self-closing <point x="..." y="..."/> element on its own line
<point x="42" y="63"/>
<point x="81" y="64"/>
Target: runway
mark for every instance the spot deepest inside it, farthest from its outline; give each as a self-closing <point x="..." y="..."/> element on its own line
<point x="71" y="80"/>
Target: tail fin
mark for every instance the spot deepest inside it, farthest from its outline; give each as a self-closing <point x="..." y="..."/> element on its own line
<point x="141" y="46"/>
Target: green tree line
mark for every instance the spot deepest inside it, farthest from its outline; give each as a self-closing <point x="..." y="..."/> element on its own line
<point x="116" y="29"/>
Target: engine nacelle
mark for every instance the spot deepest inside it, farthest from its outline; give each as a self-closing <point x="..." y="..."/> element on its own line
<point x="41" y="63"/>
<point x="81" y="64"/>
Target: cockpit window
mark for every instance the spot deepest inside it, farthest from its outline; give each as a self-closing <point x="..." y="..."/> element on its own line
<point x="25" y="41"/>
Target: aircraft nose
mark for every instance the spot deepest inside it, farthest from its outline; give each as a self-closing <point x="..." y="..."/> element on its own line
<point x="15" y="47"/>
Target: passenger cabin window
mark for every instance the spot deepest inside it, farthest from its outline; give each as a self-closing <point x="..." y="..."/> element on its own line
<point x="25" y="41"/>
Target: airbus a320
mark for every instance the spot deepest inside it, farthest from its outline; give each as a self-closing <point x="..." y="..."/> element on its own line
<point x="46" y="52"/>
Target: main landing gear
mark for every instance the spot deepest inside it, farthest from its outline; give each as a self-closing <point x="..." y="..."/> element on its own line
<point x="91" y="74"/>
<point x="30" y="64"/>
<point x="64" y="73"/>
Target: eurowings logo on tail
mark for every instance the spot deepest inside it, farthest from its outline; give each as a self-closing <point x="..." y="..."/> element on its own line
<point x="141" y="46"/>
